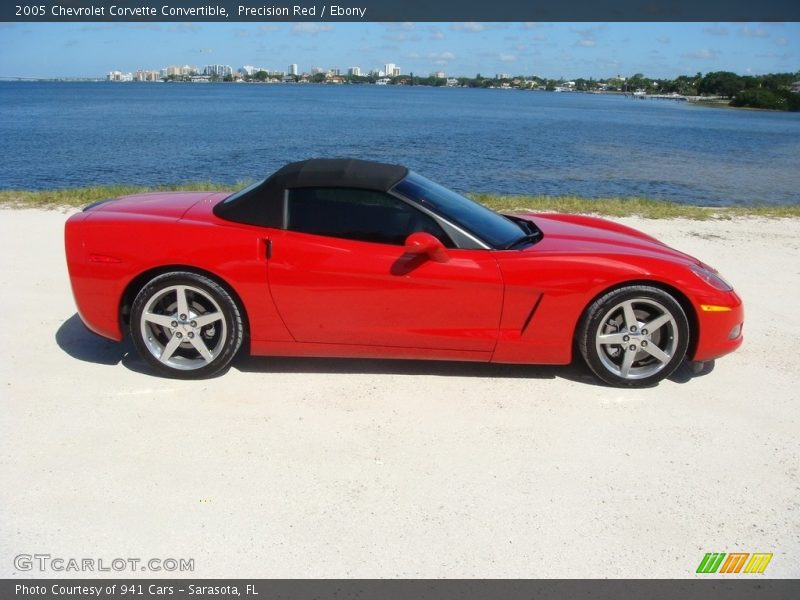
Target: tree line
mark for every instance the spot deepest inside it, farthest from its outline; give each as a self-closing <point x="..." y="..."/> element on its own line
<point x="775" y="91"/>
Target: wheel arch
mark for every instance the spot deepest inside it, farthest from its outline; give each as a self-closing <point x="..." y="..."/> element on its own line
<point x="680" y="297"/>
<point x="138" y="282"/>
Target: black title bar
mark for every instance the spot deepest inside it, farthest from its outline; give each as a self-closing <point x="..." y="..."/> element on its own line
<point x="394" y="589"/>
<point x="399" y="10"/>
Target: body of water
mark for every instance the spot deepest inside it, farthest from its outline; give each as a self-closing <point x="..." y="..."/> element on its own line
<point x="55" y="135"/>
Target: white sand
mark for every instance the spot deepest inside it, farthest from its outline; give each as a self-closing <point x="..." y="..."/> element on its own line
<point x="325" y="468"/>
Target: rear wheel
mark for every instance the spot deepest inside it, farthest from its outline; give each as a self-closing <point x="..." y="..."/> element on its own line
<point x="634" y="336"/>
<point x="186" y="325"/>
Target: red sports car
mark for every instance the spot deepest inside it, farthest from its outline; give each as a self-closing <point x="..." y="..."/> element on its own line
<point x="349" y="258"/>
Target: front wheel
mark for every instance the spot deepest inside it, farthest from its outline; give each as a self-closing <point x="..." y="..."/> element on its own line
<point x="186" y="325"/>
<point x="634" y="336"/>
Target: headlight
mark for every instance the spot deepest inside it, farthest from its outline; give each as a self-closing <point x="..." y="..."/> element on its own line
<point x="711" y="277"/>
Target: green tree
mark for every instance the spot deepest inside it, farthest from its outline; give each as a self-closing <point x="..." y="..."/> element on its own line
<point x="637" y="81"/>
<point x="721" y="83"/>
<point x="763" y="98"/>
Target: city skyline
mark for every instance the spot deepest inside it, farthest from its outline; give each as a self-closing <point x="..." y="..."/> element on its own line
<point x="551" y="50"/>
<point x="221" y="71"/>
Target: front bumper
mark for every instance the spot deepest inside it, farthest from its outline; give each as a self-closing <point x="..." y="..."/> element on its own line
<point x="720" y="323"/>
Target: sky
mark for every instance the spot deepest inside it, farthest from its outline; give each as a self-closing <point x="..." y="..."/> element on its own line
<point x="552" y="50"/>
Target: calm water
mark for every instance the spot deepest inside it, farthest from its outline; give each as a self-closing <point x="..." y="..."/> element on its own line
<point x="76" y="134"/>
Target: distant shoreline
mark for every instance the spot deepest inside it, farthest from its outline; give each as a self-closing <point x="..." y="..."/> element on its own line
<point x="711" y="102"/>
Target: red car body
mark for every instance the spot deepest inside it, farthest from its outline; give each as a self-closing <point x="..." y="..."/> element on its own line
<point x="309" y="295"/>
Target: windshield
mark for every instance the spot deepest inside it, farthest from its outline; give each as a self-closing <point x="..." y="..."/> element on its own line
<point x="494" y="229"/>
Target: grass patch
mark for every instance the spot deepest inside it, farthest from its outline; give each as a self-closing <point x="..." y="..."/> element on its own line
<point x="607" y="207"/>
<point x="631" y="206"/>
<point x="79" y="197"/>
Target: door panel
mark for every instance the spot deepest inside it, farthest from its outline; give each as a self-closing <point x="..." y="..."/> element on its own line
<point x="340" y="291"/>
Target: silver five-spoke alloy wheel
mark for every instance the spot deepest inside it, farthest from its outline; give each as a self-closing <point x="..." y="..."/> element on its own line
<point x="638" y="338"/>
<point x="186" y="325"/>
<point x="634" y="336"/>
<point x="183" y="327"/>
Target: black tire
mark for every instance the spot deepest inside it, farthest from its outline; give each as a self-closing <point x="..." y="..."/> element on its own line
<point x="192" y="328"/>
<point x="624" y="354"/>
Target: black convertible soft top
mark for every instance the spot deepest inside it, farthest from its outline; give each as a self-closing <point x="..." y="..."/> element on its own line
<point x="339" y="172"/>
<point x="262" y="204"/>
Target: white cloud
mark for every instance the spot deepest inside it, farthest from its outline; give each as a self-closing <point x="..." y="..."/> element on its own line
<point x="310" y="28"/>
<point x="507" y="57"/>
<point x="441" y="58"/>
<point x="401" y="36"/>
<point x="702" y="54"/>
<point x="588" y="36"/>
<point x="716" y="30"/>
<point x="663" y="39"/>
<point x="469" y="26"/>
<point x="781" y="41"/>
<point x="607" y="63"/>
<point x="781" y="57"/>
<point x="758" y="32"/>
<point x="405" y="26"/>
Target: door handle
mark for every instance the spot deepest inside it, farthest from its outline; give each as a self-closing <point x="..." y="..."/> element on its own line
<point x="268" y="248"/>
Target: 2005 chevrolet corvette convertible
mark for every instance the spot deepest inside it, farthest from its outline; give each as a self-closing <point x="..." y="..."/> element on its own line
<point x="350" y="258"/>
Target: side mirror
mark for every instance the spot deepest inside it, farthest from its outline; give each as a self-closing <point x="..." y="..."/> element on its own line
<point x="421" y="242"/>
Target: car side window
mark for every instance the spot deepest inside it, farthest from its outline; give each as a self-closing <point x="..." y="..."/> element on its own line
<point x="354" y="214"/>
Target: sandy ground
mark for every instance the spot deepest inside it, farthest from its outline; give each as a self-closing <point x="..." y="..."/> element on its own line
<point x="329" y="468"/>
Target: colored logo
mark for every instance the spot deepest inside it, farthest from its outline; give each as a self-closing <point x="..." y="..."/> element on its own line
<point x="736" y="562"/>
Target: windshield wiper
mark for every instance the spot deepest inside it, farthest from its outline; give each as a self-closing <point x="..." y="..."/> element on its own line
<point x="531" y="235"/>
<point x="528" y="238"/>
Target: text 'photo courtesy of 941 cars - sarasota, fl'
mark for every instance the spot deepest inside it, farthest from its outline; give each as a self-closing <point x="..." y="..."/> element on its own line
<point x="352" y="258"/>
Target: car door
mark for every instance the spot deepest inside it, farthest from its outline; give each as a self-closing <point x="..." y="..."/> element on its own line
<point x="339" y="273"/>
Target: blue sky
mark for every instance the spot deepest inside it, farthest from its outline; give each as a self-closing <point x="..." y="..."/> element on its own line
<point x="547" y="49"/>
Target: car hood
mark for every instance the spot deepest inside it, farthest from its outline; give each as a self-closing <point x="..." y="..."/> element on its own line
<point x="159" y="204"/>
<point x="591" y="235"/>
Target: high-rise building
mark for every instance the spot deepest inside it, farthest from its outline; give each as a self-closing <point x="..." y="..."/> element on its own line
<point x="354" y="71"/>
<point x="144" y="75"/>
<point x="218" y="70"/>
<point x="391" y="70"/>
<point x="119" y="76"/>
<point x="293" y="69"/>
